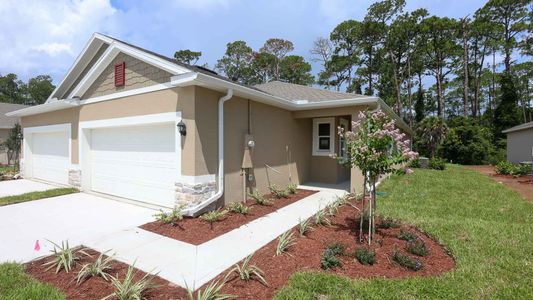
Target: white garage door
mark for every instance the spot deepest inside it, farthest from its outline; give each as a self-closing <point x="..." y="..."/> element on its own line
<point x="135" y="162"/>
<point x="50" y="159"/>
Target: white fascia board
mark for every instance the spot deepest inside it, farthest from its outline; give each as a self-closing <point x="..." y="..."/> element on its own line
<point x="77" y="61"/>
<point x="111" y="52"/>
<point x="46" y="107"/>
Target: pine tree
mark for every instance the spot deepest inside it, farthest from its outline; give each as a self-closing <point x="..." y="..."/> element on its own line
<point x="506" y="114"/>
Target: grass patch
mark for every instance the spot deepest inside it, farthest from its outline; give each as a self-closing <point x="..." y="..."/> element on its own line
<point x="8" y="169"/>
<point x="36" y="195"/>
<point x="15" y="284"/>
<point x="486" y="226"/>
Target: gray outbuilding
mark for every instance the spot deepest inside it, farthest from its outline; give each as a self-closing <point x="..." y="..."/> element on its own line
<point x="520" y="143"/>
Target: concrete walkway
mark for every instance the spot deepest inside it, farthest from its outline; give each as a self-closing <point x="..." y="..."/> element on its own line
<point x="192" y="266"/>
<point x="23" y="186"/>
<point x="78" y="218"/>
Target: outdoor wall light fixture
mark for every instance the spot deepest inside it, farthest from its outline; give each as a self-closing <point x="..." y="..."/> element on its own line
<point x="251" y="143"/>
<point x="182" y="129"/>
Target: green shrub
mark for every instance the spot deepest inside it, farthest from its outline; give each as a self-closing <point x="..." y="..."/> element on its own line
<point x="507" y="168"/>
<point x="214" y="216"/>
<point x="467" y="142"/>
<point x="329" y="260"/>
<point x="504" y="168"/>
<point x="437" y="163"/>
<point x="321" y="218"/>
<point x="417" y="247"/>
<point x="98" y="268"/>
<point x="407" y="236"/>
<point x="337" y="248"/>
<point x="386" y="223"/>
<point x="278" y="193"/>
<point x="239" y="208"/>
<point x="172" y="217"/>
<point x="292" y="188"/>
<point x="260" y="199"/>
<point x="210" y="292"/>
<point x="406" y="261"/>
<point x="414" y="163"/>
<point x="365" y="256"/>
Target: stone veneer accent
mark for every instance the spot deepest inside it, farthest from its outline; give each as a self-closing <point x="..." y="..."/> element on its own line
<point x="74" y="178"/>
<point x="190" y="194"/>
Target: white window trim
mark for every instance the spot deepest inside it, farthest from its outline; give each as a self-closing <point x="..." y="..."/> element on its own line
<point x="331" y="151"/>
<point x="27" y="143"/>
<point x="346" y="123"/>
<point x="84" y="134"/>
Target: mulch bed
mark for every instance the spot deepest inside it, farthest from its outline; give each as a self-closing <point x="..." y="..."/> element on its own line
<point x="197" y="231"/>
<point x="97" y="287"/>
<point x="305" y="255"/>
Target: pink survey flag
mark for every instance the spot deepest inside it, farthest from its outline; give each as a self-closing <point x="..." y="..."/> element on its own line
<point x="37" y="247"/>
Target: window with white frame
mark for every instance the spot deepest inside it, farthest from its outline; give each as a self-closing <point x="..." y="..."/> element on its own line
<point x="323" y="136"/>
<point x="343" y="123"/>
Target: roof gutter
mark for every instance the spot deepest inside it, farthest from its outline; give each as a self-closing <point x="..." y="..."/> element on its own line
<point x="194" y="210"/>
<point x="46" y="107"/>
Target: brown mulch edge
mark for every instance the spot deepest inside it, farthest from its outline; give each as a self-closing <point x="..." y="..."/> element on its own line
<point x="197" y="231"/>
<point x="97" y="287"/>
<point x="305" y="256"/>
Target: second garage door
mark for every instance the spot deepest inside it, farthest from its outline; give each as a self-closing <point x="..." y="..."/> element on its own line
<point x="137" y="162"/>
<point x="50" y="156"/>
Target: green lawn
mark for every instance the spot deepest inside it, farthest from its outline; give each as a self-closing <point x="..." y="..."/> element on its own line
<point x="5" y="169"/>
<point x="16" y="285"/>
<point x="36" y="195"/>
<point x="487" y="227"/>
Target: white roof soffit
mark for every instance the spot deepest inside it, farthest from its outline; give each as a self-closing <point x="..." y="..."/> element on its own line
<point x="200" y="79"/>
<point x="42" y="108"/>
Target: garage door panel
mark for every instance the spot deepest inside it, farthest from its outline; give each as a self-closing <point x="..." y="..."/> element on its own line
<point x="135" y="162"/>
<point x="50" y="156"/>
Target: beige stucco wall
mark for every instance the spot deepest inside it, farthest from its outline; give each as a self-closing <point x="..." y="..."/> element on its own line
<point x="519" y="144"/>
<point x="138" y="74"/>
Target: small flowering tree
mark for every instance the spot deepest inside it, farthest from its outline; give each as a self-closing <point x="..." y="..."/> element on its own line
<point x="376" y="147"/>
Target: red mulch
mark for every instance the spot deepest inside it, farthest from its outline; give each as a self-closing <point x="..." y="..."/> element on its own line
<point x="305" y="255"/>
<point x="97" y="287"/>
<point x="197" y="231"/>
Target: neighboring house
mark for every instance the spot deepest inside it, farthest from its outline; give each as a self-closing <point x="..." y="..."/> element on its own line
<point x="520" y="143"/>
<point x="6" y="124"/>
<point x="134" y="124"/>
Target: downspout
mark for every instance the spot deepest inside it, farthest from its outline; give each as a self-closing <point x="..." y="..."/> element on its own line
<point x="192" y="211"/>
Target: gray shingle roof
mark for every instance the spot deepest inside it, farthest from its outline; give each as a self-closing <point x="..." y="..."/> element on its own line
<point x="5" y="121"/>
<point x="519" y="127"/>
<point x="295" y="92"/>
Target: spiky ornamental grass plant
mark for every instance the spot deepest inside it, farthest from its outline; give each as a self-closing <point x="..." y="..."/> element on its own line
<point x="285" y="241"/>
<point x="214" y="216"/>
<point x="376" y="147"/>
<point x="239" y="208"/>
<point x="278" y="193"/>
<point x="172" y="217"/>
<point x="64" y="257"/>
<point x="98" y="268"/>
<point x="321" y="218"/>
<point x="129" y="289"/>
<point x="305" y="226"/>
<point x="211" y="292"/>
<point x="292" y="188"/>
<point x="247" y="271"/>
<point x="260" y="199"/>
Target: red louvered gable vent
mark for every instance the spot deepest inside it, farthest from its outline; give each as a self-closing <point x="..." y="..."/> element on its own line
<point x="120" y="74"/>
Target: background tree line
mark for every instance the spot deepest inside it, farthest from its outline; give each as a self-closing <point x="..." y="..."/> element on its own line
<point x="35" y="91"/>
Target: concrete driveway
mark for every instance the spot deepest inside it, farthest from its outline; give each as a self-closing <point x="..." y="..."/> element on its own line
<point x="79" y="218"/>
<point x="23" y="186"/>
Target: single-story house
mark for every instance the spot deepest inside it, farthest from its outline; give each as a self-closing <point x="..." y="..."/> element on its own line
<point x="520" y="143"/>
<point x="134" y="124"/>
<point x="6" y="124"/>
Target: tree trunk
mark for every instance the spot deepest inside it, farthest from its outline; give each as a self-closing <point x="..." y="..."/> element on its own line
<point x="465" y="68"/>
<point x="409" y="93"/>
<point x="397" y="85"/>
<point x="370" y="61"/>
<point x="440" y="97"/>
<point x="493" y="77"/>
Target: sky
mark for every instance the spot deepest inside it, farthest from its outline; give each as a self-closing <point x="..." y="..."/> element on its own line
<point x="45" y="37"/>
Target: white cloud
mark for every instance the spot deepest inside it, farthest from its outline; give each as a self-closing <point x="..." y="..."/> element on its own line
<point x="44" y="36"/>
<point x="202" y="4"/>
